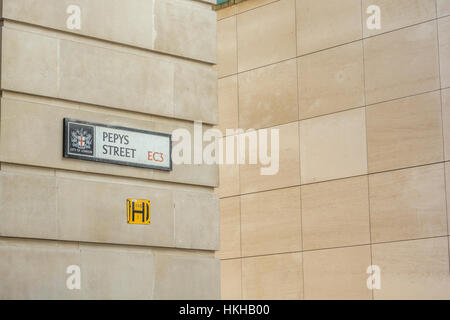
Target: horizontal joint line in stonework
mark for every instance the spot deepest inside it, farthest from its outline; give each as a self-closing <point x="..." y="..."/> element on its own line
<point x="328" y="48"/>
<point x="333" y="248"/>
<point x="105" y="41"/>
<point x="342" y="111"/>
<point x="337" y="179"/>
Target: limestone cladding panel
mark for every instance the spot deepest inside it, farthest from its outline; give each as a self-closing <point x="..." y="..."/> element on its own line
<point x="249" y="5"/>
<point x="340" y="137"/>
<point x="401" y="63"/>
<point x="399" y="14"/>
<point x="231" y="274"/>
<point x="335" y="213"/>
<point x="331" y="81"/>
<point x="408" y="204"/>
<point x="226" y="47"/>
<point x="107" y="272"/>
<point x="417" y="269"/>
<point x="261" y="44"/>
<point x="186" y="277"/>
<point x="444" y="51"/>
<point x="447" y="181"/>
<point x="79" y="208"/>
<point x="323" y="24"/>
<point x="288" y="174"/>
<point x="273" y="277"/>
<point x="230" y="228"/>
<point x="183" y="28"/>
<point x="446" y="121"/>
<point x="337" y="274"/>
<point x="45" y="65"/>
<point x="443" y="7"/>
<point x="405" y="132"/>
<point x="23" y="121"/>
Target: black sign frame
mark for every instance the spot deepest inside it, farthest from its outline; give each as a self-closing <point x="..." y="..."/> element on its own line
<point x="66" y="153"/>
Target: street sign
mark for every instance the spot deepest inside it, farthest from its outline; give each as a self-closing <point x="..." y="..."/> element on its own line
<point x="118" y="145"/>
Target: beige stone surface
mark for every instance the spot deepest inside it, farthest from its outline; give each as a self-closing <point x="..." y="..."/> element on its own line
<point x="333" y="146"/>
<point x="444" y="50"/>
<point x="93" y="74"/>
<point x="75" y="207"/>
<point x="271" y="222"/>
<point x="252" y="4"/>
<point x="226" y="12"/>
<point x="226" y="47"/>
<point x="408" y="204"/>
<point x="116" y="273"/>
<point x="196" y="220"/>
<point x="337" y="274"/>
<point x="36" y="270"/>
<point x="195" y="93"/>
<point x="96" y="212"/>
<point x="273" y="41"/>
<point x="190" y="33"/>
<point x="272" y="277"/>
<point x="136" y="64"/>
<point x="331" y="80"/>
<point x="399" y="14"/>
<point x="446" y="121"/>
<point x="230" y="228"/>
<point x="229" y="173"/>
<point x="178" y="219"/>
<point x="229" y="180"/>
<point x="405" y="132"/>
<point x="22" y="120"/>
<point x="401" y="63"/>
<point x="228" y="103"/>
<point x="288" y="175"/>
<point x="268" y="96"/>
<point x="339" y="143"/>
<point x="447" y="180"/>
<point x="184" y="28"/>
<point x="107" y="272"/>
<point x="335" y="213"/>
<point x="417" y="269"/>
<point x="29" y="63"/>
<point x="134" y="83"/>
<point x="443" y="7"/>
<point x="231" y="275"/>
<point x="28" y="206"/>
<point x="327" y="23"/>
<point x="180" y="277"/>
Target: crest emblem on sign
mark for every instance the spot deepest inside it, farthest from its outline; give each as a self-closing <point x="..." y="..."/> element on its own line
<point x="81" y="139"/>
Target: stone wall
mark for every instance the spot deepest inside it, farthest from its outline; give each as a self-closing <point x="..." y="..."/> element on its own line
<point x="364" y="149"/>
<point x="144" y="64"/>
